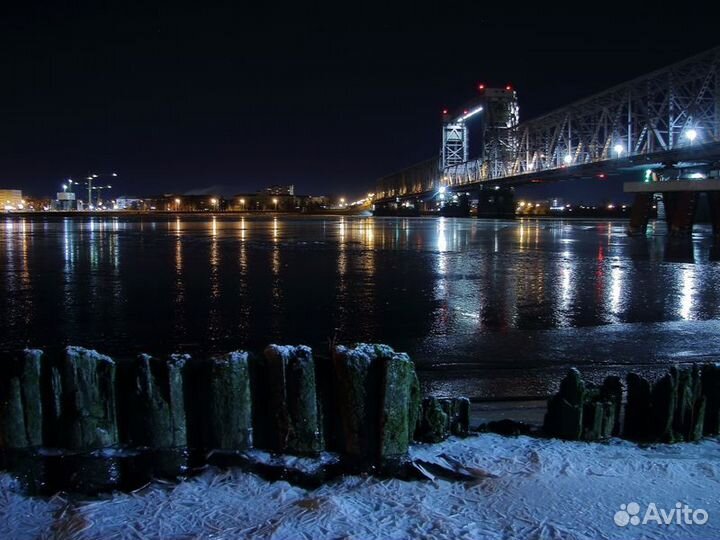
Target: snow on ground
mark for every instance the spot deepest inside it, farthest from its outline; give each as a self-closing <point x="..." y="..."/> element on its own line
<point x="516" y="488"/>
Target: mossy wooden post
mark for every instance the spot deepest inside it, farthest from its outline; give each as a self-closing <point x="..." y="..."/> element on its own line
<point x="378" y="399"/>
<point x="160" y="421"/>
<point x="228" y="412"/>
<point x="663" y="401"/>
<point x="20" y="404"/>
<point x="357" y="391"/>
<point x="612" y="391"/>
<point x="292" y="400"/>
<point x="458" y="412"/>
<point x="330" y="420"/>
<point x="689" y="416"/>
<point x="86" y="400"/>
<point x="564" y="417"/>
<point x="434" y="421"/>
<point x="711" y="392"/>
<point x="398" y="401"/>
<point x="598" y="415"/>
<point x="637" y="410"/>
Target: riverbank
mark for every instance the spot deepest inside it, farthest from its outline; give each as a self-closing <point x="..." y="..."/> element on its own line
<point x="485" y="486"/>
<point x="164" y="213"/>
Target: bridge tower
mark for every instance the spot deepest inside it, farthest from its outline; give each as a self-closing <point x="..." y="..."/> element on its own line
<point x="454" y="149"/>
<point x="500" y="130"/>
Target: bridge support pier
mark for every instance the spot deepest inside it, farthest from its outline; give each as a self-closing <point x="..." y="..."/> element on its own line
<point x="640" y="214"/>
<point x="714" y="200"/>
<point x="496" y="203"/>
<point x="680" y="209"/>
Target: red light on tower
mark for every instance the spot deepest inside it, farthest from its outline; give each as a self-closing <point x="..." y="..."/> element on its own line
<point x="445" y="111"/>
<point x="508" y="87"/>
<point x="465" y="111"/>
<point x="481" y="86"/>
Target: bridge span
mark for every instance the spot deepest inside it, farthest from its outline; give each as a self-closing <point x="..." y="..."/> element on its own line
<point x="667" y="122"/>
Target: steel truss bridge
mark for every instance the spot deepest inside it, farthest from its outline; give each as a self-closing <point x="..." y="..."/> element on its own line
<point x="666" y="118"/>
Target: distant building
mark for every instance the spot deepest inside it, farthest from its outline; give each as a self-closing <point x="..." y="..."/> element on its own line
<point x="280" y="190"/>
<point x="170" y="202"/>
<point x="126" y="202"/>
<point x="65" y="201"/>
<point x="263" y="201"/>
<point x="11" y="199"/>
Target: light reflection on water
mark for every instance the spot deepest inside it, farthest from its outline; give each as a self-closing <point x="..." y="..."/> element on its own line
<point x="454" y="292"/>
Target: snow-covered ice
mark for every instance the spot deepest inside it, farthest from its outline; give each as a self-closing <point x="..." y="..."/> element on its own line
<point x="515" y="487"/>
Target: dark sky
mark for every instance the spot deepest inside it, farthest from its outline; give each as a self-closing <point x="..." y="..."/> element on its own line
<point x="181" y="97"/>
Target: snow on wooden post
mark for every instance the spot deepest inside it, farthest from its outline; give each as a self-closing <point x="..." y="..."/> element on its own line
<point x="227" y="399"/>
<point x="20" y="404"/>
<point x="86" y="395"/>
<point x="285" y="401"/>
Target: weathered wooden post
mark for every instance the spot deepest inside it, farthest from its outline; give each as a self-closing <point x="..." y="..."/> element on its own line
<point x="434" y="421"/>
<point x="663" y="401"/>
<point x="711" y="392"/>
<point x="689" y="414"/>
<point x="83" y="388"/>
<point x="564" y="417"/>
<point x="227" y="398"/>
<point x="637" y="409"/>
<point x="378" y="399"/>
<point x="285" y="401"/>
<point x="400" y="395"/>
<point x="159" y="421"/>
<point x="86" y="395"/>
<point x="20" y="404"/>
<point x="21" y="418"/>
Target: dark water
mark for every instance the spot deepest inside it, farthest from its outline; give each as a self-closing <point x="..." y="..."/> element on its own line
<point x="490" y="309"/>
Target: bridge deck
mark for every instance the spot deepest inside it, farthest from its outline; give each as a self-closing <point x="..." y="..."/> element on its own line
<point x="672" y="185"/>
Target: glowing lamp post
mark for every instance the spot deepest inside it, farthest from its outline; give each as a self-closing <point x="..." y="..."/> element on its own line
<point x="618" y="149"/>
<point x="275" y="201"/>
<point x="177" y="205"/>
<point x="691" y="135"/>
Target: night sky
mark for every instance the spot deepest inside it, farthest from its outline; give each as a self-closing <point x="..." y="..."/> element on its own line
<point x="181" y="98"/>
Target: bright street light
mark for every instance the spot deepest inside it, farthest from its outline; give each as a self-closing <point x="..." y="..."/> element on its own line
<point x="442" y="190"/>
<point x="618" y="149"/>
<point x="567" y="159"/>
<point x="276" y="203"/>
<point x="691" y="135"/>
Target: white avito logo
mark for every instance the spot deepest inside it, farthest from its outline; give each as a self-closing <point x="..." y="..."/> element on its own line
<point x="682" y="514"/>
